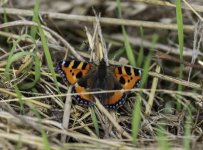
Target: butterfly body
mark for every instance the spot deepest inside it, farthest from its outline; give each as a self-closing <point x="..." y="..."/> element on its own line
<point x="88" y="77"/>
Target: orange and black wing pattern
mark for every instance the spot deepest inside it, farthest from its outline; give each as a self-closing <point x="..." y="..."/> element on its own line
<point x="99" y="78"/>
<point x="115" y="101"/>
<point x="128" y="77"/>
<point x="72" y="71"/>
<point x="81" y="97"/>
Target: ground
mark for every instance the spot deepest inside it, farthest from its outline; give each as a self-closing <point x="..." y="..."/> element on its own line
<point x="157" y="37"/>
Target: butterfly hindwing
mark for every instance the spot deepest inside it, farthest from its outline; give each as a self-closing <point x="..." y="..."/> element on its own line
<point x="82" y="99"/>
<point x="115" y="101"/>
<point x="127" y="76"/>
<point x="72" y="71"/>
<point x="80" y="88"/>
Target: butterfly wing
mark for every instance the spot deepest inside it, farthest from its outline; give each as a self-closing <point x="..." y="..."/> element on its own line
<point x="80" y="88"/>
<point x="127" y="76"/>
<point x="115" y="101"/>
<point x="75" y="72"/>
<point x="72" y="71"/>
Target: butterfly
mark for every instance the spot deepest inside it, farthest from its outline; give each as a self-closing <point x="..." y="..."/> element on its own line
<point x="88" y="77"/>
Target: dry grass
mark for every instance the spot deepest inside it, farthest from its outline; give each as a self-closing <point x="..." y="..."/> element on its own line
<point x="43" y="118"/>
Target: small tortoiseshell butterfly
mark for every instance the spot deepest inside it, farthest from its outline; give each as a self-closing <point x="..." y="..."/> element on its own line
<point x="88" y="77"/>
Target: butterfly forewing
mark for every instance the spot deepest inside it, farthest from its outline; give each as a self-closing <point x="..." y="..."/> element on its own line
<point x="72" y="71"/>
<point x="127" y="76"/>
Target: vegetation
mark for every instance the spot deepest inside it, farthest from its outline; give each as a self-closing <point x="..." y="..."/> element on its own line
<point x="162" y="38"/>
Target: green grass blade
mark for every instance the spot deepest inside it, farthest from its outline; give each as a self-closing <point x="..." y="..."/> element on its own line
<point x="45" y="139"/>
<point x="19" y="96"/>
<point x="137" y="107"/>
<point x="187" y="131"/>
<point x="37" y="75"/>
<point x="179" y="19"/>
<point x="37" y="67"/>
<point x="94" y="119"/>
<point x="148" y="62"/>
<point x="5" y="20"/>
<point x="19" y="145"/>
<point x="180" y="27"/>
<point x="136" y="118"/>
<point x="180" y="36"/>
<point x="141" y="51"/>
<point x="34" y="19"/>
<point x="162" y="139"/>
<point x="117" y="54"/>
<point x="129" y="51"/>
<point x="44" y="135"/>
<point x="47" y="53"/>
<point x="6" y="72"/>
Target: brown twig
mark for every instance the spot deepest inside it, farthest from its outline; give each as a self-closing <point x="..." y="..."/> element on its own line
<point x="165" y="56"/>
<point x="166" y="3"/>
<point x="103" y="20"/>
<point x="66" y="114"/>
<point x="56" y="35"/>
<point x="112" y="120"/>
<point x="136" y="41"/>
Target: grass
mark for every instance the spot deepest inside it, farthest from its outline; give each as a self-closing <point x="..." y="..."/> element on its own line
<point x="136" y="118"/>
<point x="137" y="107"/>
<point x="141" y="50"/>
<point x="47" y="54"/>
<point x="187" y="123"/>
<point x="9" y="61"/>
<point x="19" y="96"/>
<point x="33" y="31"/>
<point x="95" y="120"/>
<point x="180" y="39"/>
<point x="31" y="106"/>
<point x="128" y="48"/>
<point x="187" y="130"/>
<point x="162" y="138"/>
